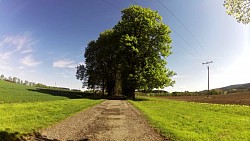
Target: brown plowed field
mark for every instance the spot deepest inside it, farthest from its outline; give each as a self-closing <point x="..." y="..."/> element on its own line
<point x="242" y="98"/>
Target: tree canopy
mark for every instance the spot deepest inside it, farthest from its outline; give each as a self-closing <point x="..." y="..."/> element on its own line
<point x="133" y="53"/>
<point x="240" y="9"/>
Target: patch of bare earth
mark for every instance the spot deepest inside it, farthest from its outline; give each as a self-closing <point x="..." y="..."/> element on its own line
<point x="112" y="120"/>
<point x="242" y="98"/>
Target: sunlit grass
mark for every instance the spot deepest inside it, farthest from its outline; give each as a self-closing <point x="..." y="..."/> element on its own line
<point x="25" y="109"/>
<point x="26" y="117"/>
<point x="17" y="93"/>
<point x="180" y="120"/>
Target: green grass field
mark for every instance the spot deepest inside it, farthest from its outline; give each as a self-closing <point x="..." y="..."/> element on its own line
<point x="179" y="120"/>
<point x="25" y="109"/>
<point x="16" y="93"/>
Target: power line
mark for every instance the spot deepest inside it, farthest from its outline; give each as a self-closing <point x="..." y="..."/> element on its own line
<point x="134" y="2"/>
<point x="187" y="44"/>
<point x="187" y="29"/>
<point x="178" y="33"/>
<point x="111" y="5"/>
<point x="171" y="29"/>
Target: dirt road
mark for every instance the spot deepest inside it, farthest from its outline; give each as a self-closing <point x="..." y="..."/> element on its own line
<point x="112" y="120"/>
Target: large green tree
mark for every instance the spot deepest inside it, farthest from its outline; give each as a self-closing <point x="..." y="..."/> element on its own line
<point x="143" y="47"/>
<point x="240" y="9"/>
<point x="132" y="55"/>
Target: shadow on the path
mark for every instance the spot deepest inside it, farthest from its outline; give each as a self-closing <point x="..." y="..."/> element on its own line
<point x="6" y="136"/>
<point x="36" y="136"/>
<point x="16" y="136"/>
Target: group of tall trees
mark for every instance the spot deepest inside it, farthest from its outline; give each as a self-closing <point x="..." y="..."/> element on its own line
<point x="130" y="56"/>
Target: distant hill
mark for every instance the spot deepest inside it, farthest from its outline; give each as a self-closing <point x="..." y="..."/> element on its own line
<point x="229" y="89"/>
<point x="236" y="87"/>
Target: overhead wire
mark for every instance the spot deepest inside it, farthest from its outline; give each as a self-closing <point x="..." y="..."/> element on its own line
<point x="111" y="5"/>
<point x="134" y="2"/>
<point x="179" y="35"/>
<point x="187" y="29"/>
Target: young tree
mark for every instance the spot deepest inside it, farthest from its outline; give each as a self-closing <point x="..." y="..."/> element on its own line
<point x="240" y="9"/>
<point x="144" y="46"/>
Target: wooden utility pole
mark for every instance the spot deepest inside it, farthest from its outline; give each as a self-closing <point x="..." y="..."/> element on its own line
<point x="207" y="63"/>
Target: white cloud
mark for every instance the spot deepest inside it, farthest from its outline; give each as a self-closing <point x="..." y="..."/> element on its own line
<point x="17" y="47"/>
<point x="12" y="46"/>
<point x="27" y="51"/>
<point x="6" y="67"/>
<point x="21" y="68"/>
<point x="18" y="42"/>
<point x="5" y="55"/>
<point x="29" y="61"/>
<point x="64" y="63"/>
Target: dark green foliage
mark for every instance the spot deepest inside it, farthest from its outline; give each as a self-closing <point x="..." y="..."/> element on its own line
<point x="101" y="63"/>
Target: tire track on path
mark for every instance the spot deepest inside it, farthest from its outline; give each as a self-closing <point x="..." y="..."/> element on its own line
<point x="112" y="120"/>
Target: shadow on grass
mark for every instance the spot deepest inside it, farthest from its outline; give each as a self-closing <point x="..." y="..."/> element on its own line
<point x="68" y="94"/>
<point x="141" y="99"/>
<point x="76" y="94"/>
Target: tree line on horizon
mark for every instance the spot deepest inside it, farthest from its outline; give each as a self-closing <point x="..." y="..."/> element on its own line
<point x="28" y="83"/>
<point x="130" y="56"/>
<point x="16" y="80"/>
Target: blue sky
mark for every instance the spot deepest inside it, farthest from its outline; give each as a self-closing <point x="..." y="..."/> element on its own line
<point x="43" y="41"/>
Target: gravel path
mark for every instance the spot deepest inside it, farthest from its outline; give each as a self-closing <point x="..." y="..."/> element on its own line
<point x="112" y="120"/>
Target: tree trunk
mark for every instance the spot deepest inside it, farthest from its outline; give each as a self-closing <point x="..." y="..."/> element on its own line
<point x="103" y="87"/>
<point x="110" y="87"/>
<point x="129" y="92"/>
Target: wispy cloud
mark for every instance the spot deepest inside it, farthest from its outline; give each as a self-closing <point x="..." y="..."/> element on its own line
<point x="6" y="67"/>
<point x="27" y="51"/>
<point x="17" y="47"/>
<point x="21" y="68"/>
<point x="64" y="63"/>
<point x="29" y="61"/>
<point x="11" y="45"/>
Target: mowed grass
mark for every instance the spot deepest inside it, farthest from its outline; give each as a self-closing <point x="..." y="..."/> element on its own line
<point x="25" y="109"/>
<point x="179" y="120"/>
<point x="26" y="117"/>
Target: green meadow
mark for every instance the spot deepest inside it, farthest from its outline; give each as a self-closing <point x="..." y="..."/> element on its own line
<point x="25" y="109"/>
<point x="17" y="93"/>
<point x="179" y="120"/>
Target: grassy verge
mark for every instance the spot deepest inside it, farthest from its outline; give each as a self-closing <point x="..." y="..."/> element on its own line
<point x="180" y="120"/>
<point x="26" y="117"/>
